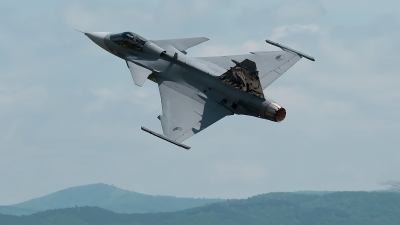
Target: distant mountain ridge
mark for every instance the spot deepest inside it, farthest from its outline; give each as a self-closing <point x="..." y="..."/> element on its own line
<point x="106" y="197"/>
<point x="344" y="208"/>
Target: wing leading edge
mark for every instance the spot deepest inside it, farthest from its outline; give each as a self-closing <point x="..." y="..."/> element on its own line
<point x="182" y="44"/>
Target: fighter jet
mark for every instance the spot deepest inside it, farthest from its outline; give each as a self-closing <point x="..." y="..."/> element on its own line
<point x="198" y="91"/>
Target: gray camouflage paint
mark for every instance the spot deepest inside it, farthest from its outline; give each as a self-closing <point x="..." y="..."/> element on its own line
<point x="196" y="92"/>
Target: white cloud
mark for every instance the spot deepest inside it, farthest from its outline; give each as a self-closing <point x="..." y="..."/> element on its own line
<point x="102" y="97"/>
<point x="147" y="17"/>
<point x="298" y="11"/>
<point x="221" y="50"/>
<point x="99" y="18"/>
<point x="22" y="100"/>
<point x="108" y="97"/>
<point x="307" y="103"/>
<point x="293" y="30"/>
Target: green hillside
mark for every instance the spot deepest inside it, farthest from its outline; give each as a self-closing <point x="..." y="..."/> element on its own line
<point x="106" y="197"/>
<point x="339" y="208"/>
<point x="10" y="210"/>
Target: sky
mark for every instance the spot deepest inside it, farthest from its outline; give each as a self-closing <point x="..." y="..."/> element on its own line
<point x="70" y="113"/>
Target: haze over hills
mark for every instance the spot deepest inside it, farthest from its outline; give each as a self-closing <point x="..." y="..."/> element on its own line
<point x="344" y="208"/>
<point x="10" y="210"/>
<point x="106" y="197"/>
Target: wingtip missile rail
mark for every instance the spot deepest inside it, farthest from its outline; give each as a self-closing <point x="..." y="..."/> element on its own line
<point x="165" y="138"/>
<point x="285" y="48"/>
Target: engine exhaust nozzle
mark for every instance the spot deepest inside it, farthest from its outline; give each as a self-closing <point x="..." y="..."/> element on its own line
<point x="274" y="112"/>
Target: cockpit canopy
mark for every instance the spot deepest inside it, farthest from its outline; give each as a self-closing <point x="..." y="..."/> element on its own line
<point x="129" y="40"/>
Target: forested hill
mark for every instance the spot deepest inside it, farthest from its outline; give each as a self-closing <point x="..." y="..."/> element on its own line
<point x="352" y="208"/>
<point x="106" y="197"/>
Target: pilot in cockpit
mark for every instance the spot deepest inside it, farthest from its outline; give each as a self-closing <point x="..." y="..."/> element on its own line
<point x="129" y="40"/>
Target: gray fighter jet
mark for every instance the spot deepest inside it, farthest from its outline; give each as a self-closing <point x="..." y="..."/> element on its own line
<point x="198" y="91"/>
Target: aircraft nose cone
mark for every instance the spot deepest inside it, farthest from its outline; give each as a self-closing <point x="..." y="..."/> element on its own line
<point x="98" y="38"/>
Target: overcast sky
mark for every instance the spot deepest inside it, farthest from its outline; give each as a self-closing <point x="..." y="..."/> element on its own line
<point x="70" y="113"/>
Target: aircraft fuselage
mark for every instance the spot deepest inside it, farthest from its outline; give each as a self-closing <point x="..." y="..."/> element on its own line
<point x="170" y="64"/>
